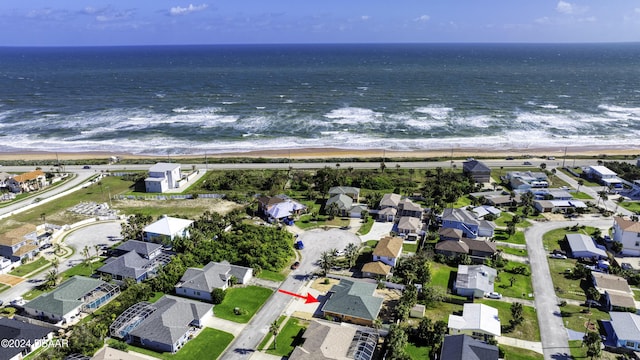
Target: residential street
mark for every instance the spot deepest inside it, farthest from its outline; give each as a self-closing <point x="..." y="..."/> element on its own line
<point x="555" y="341"/>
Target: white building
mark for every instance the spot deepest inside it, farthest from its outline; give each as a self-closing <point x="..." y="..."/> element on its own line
<point x="478" y="320"/>
<point x="604" y="176"/>
<point x="162" y="176"/>
<point x="167" y="228"/>
<point x="628" y="233"/>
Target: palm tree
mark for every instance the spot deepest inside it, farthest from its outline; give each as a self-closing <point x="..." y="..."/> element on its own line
<point x="326" y="261"/>
<point x="87" y="256"/>
<point x="580" y="183"/>
<point x="351" y="253"/>
<point x="56" y="263"/>
<point x="57" y="248"/>
<point x="51" y="280"/>
<point x="602" y="195"/>
<point x="274" y="330"/>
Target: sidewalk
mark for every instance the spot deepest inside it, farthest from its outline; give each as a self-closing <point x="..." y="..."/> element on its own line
<point x="522" y="344"/>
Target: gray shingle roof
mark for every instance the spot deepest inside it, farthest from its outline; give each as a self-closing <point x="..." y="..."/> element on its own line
<point x="14" y="329"/>
<point x="171" y="320"/>
<point x="355" y="299"/>
<point x="130" y="265"/>
<point x="141" y="247"/>
<point x="344" y="202"/>
<point x="66" y="297"/>
<point x="214" y="275"/>
<point x="464" y="347"/>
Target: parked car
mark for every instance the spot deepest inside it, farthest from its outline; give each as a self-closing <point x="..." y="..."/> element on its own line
<point x="527" y="163"/>
<point x="626" y="266"/>
<point x="592" y="303"/>
<point x="86" y="167"/>
<point x="558" y="256"/>
<point x="295" y="265"/>
<point x="299" y="245"/>
<point x="494" y="295"/>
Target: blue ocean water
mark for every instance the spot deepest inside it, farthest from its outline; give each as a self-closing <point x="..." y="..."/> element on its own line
<point x="197" y="99"/>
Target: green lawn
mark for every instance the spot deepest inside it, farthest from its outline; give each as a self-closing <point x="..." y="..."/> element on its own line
<point x="581" y="195"/>
<point x="82" y="270"/>
<point x="366" y="227"/>
<point x="417" y="352"/>
<point x="156" y="296"/>
<point x="554" y="239"/>
<point x="289" y="337"/>
<point x="462" y="201"/>
<point x="577" y="318"/>
<point x="514" y="353"/>
<point x="272" y="275"/>
<point x="527" y="330"/>
<point x="440" y="274"/>
<point x="410" y="248"/>
<point x="29" y="267"/>
<point x="631" y="206"/>
<point x="521" y="287"/>
<point x="4" y="287"/>
<point x="306" y="222"/>
<point x="506" y="217"/>
<point x="513" y="251"/>
<point x="269" y="335"/>
<point x="517" y="238"/>
<point x="441" y="311"/>
<point x="566" y="287"/>
<point x="209" y="344"/>
<point x="248" y="299"/>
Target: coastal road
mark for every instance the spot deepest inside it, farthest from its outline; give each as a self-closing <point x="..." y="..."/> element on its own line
<point x="555" y="340"/>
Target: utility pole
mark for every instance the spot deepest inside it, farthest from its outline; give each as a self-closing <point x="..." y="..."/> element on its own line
<point x="564" y="157"/>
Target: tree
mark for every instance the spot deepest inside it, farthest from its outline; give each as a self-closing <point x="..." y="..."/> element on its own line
<point x="593" y="294"/>
<point x="543" y="166"/>
<point x="580" y="183"/>
<point x="616" y="247"/>
<point x="326" y="261"/>
<point x="396" y="343"/>
<point x="516" y="314"/>
<point x="274" y="330"/>
<point x="57" y="248"/>
<point x="511" y="281"/>
<point x="56" y="263"/>
<point x="351" y="252"/>
<point x="592" y="341"/>
<point x="51" y="279"/>
<point x="333" y="210"/>
<point x="217" y="296"/>
<point x="602" y="195"/>
<point x="87" y="256"/>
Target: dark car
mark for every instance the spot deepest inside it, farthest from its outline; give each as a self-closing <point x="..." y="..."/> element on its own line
<point x="295" y="265"/>
<point x="299" y="245"/>
<point x="86" y="167"/>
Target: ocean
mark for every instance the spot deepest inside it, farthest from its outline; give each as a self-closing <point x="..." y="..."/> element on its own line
<point x="180" y="100"/>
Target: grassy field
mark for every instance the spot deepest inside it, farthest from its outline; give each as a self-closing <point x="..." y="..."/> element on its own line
<point x="581" y="195"/>
<point x="527" y="330"/>
<point x="513" y="251"/>
<point x="417" y="352"/>
<point x="631" y="206"/>
<point x="566" y="287"/>
<point x="366" y="227"/>
<point x="306" y="222"/>
<point x="82" y="270"/>
<point x="578" y="316"/>
<point x="521" y="287"/>
<point x="517" y="238"/>
<point x="514" y="353"/>
<point x="440" y="274"/>
<point x="209" y="344"/>
<point x="289" y="337"/>
<point x="248" y="299"/>
<point x="272" y="275"/>
<point x="441" y="311"/>
<point x="506" y="217"/>
<point x="25" y="269"/>
<point x="580" y="352"/>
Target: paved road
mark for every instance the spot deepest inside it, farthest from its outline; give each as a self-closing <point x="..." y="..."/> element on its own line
<point x="555" y="341"/>
<point x="315" y="242"/>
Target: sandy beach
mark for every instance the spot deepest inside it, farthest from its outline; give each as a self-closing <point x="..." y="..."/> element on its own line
<point x="333" y="153"/>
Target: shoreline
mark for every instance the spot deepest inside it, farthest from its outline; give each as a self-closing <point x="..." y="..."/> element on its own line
<point x="336" y="153"/>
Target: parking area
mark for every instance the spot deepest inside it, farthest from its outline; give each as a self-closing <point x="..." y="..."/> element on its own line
<point x="318" y="241"/>
<point x="100" y="234"/>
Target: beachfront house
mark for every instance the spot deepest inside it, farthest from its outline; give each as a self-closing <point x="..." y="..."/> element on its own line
<point x="604" y="176"/>
<point x="523" y="181"/>
<point x="627" y="232"/>
<point x="162" y="177"/>
<point x="477" y="170"/>
<point x="27" y="182"/>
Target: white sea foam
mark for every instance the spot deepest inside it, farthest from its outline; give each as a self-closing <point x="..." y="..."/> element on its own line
<point x="353" y="116"/>
<point x="435" y="111"/>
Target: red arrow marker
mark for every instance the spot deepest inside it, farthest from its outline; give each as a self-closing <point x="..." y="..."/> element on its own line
<point x="308" y="298"/>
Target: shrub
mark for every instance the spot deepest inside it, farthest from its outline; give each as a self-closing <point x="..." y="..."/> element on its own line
<point x="217" y="296"/>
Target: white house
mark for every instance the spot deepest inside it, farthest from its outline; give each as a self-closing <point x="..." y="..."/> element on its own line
<point x="583" y="246"/>
<point x="474" y="280"/>
<point x="478" y="320"/>
<point x="198" y="283"/>
<point x="388" y="250"/>
<point x="628" y="233"/>
<point x="167" y="228"/>
<point x="604" y="176"/>
<point x="162" y="176"/>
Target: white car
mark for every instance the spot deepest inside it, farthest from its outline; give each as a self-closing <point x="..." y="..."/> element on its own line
<point x="494" y="295"/>
<point x="558" y="256"/>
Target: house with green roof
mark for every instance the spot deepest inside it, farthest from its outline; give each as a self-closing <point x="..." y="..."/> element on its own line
<point x="73" y="297"/>
<point x="353" y="301"/>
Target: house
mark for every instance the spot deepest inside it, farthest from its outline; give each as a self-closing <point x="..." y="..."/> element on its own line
<point x="77" y="295"/>
<point x="353" y="301"/>
<point x="352" y="192"/>
<point x="109" y="353"/>
<point x="15" y="246"/>
<point x="558" y="205"/>
<point x="198" y="283"/>
<point x="29" y="181"/>
<point x="409" y="226"/>
<point x="25" y="338"/>
<point x="147" y="250"/>
<point x="164" y="326"/>
<point x="166" y="229"/>
<point x="474" y="280"/>
<point x="477" y="170"/>
<point x="162" y="177"/>
<point x="135" y="265"/>
<point x="583" y="246"/>
<point x="388" y="250"/>
<point x="324" y="340"/>
<point x="376" y="269"/>
<point x="628" y="233"/>
<point x="464" y="347"/>
<point x="343" y="203"/>
<point x="604" y="176"/>
<point x="615" y="293"/>
<point x="551" y="194"/>
<point x="623" y="330"/>
<point x="450" y="234"/>
<point x="468" y="222"/>
<point x="390" y="201"/>
<point x="387" y="214"/>
<point x="523" y="181"/>
<point x="410" y="209"/>
<point x="356" y="211"/>
<point x="478" y="250"/>
<point x="478" y="321"/>
<point x="279" y="207"/>
<point x="484" y="210"/>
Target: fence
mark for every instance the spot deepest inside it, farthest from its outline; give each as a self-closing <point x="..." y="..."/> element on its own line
<point x="169" y="197"/>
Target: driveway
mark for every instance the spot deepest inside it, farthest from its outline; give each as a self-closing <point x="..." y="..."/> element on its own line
<point x="378" y="231"/>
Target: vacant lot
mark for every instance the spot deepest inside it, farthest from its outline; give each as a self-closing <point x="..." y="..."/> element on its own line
<point x="247" y="299"/>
